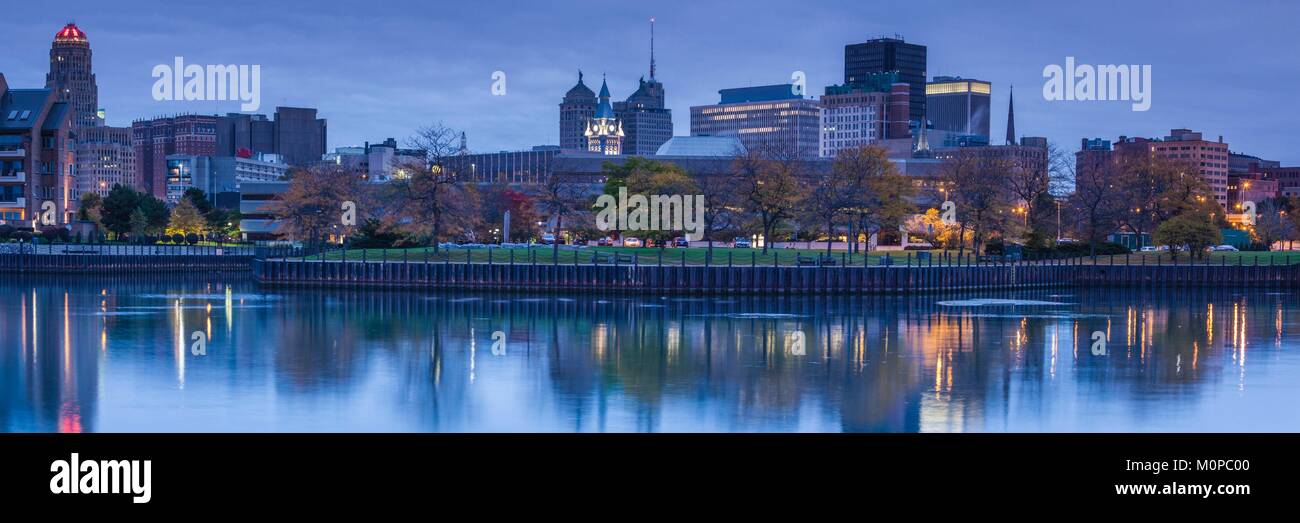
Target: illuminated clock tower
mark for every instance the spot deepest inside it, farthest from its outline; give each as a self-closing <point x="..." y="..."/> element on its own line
<point x="604" y="131"/>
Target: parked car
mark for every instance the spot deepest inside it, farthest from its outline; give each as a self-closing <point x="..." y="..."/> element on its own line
<point x="1149" y="248"/>
<point x="1224" y="248"/>
<point x="605" y="242"/>
<point x="548" y="238"/>
<point x="631" y="242"/>
<point x="681" y="242"/>
<point x="742" y="243"/>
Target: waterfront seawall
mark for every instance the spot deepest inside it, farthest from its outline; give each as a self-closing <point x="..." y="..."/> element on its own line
<point x="691" y="279"/>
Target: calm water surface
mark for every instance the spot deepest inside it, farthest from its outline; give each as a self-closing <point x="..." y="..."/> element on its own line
<point x="94" y="354"/>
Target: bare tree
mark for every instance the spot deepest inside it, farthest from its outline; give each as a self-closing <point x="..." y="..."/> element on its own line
<point x="561" y="198"/>
<point x="771" y="185"/>
<point x="428" y="187"/>
<point x="978" y="188"/>
<point x="1096" y="199"/>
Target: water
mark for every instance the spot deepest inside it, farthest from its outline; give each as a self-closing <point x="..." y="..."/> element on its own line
<point x="94" y="354"/>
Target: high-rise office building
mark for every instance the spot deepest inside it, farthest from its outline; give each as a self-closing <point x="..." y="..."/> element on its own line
<point x="105" y="157"/>
<point x="36" y="157"/>
<point x="154" y="140"/>
<point x="578" y="106"/>
<point x="865" y="114"/>
<point x="958" y="105"/>
<point x="300" y="136"/>
<point x="70" y="75"/>
<point x="769" y="115"/>
<point x="646" y="123"/>
<point x="883" y="55"/>
<point x="1210" y="159"/>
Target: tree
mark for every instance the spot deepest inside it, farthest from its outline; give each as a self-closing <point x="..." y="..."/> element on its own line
<point x="155" y="212"/>
<point x="117" y="208"/>
<point x="560" y="198"/>
<point x="428" y="189"/>
<point x="498" y="199"/>
<point x="139" y="225"/>
<point x="770" y="185"/>
<point x="1096" y="198"/>
<point x="185" y="219"/>
<point x="1272" y="224"/>
<point x="720" y="203"/>
<point x="199" y="199"/>
<point x="976" y="183"/>
<point x="312" y="206"/>
<point x="1187" y="230"/>
<point x="878" y="196"/>
<point x="828" y="201"/>
<point x="90" y="208"/>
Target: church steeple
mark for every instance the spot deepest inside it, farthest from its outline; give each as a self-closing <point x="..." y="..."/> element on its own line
<point x="1011" y="117"/>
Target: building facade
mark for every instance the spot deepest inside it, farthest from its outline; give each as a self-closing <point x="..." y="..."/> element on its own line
<point x="296" y="134"/>
<point x="105" y="157"/>
<point x="37" y="166"/>
<point x="959" y="105"/>
<point x="220" y="177"/>
<point x="1210" y="159"/>
<point x="154" y="140"/>
<point x="578" y="106"/>
<point x="771" y="115"/>
<point x="885" y="55"/>
<point x="856" y="116"/>
<point x="530" y="167"/>
<point x="70" y="75"/>
<point x="377" y="162"/>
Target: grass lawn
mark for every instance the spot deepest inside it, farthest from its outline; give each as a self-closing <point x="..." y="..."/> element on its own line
<point x="696" y="256"/>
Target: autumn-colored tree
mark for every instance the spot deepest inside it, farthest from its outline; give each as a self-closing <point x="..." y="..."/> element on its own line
<point x="428" y="188"/>
<point x="879" y="197"/>
<point x="185" y="219"/>
<point x="312" y="207"/>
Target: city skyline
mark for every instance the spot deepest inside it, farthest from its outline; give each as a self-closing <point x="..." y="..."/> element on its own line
<point x="382" y="85"/>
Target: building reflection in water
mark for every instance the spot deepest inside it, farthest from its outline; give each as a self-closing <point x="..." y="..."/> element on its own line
<point x="97" y="355"/>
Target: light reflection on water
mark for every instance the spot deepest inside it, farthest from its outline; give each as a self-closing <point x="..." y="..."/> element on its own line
<point x="97" y="355"/>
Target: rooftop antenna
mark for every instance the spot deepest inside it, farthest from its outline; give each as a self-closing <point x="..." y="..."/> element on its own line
<point x="652" y="48"/>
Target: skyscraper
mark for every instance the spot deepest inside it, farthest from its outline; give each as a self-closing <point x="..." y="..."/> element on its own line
<point x="70" y="75"/>
<point x="958" y="105"/>
<point x="604" y="131"/>
<point x="883" y="55"/>
<point x="646" y="122"/>
<point x="578" y="106"/>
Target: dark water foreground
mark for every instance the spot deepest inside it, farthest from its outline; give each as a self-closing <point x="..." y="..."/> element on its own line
<point x="93" y="354"/>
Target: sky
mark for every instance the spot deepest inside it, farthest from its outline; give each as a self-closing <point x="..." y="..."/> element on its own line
<point x="384" y="69"/>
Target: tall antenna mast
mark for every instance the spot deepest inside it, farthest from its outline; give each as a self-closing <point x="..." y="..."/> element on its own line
<point x="652" y="48"/>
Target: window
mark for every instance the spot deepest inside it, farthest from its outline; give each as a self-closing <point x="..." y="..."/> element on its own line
<point x="13" y="115"/>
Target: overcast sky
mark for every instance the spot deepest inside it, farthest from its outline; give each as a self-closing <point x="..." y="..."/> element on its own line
<point x="381" y="69"/>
